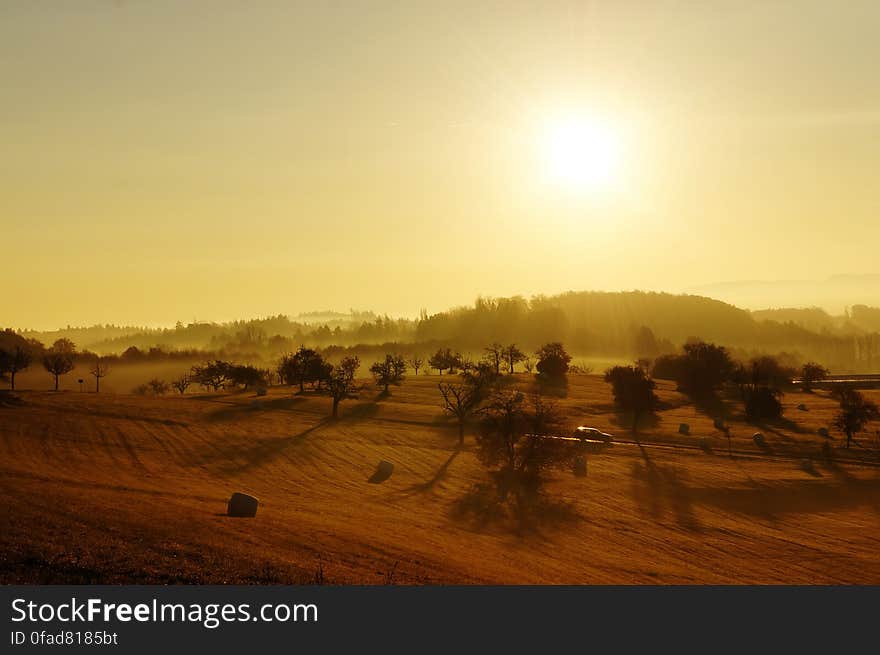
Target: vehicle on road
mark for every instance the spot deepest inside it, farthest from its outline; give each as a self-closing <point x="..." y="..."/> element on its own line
<point x="595" y="434"/>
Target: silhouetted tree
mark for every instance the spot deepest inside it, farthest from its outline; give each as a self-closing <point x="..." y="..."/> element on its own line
<point x="212" y="375"/>
<point x="99" y="370"/>
<point x="445" y="359"/>
<point x="416" y="361"/>
<point x="460" y="401"/>
<point x="633" y="391"/>
<point x="811" y="373"/>
<point x="181" y="384"/>
<point x="855" y="412"/>
<point x="553" y="361"/>
<point x="768" y="371"/>
<point x="494" y="355"/>
<point x="512" y="355"/>
<point x="704" y="368"/>
<point x="58" y="359"/>
<point x="304" y="366"/>
<point x="16" y="354"/>
<point x="246" y="376"/>
<point x="388" y="371"/>
<point x="517" y="438"/>
<point x="763" y="402"/>
<point x="340" y="382"/>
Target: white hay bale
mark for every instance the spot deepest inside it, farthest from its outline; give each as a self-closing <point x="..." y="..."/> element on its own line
<point x="684" y="428"/>
<point x="382" y="473"/>
<point x="823" y="432"/>
<point x="241" y="504"/>
<point x="580" y="467"/>
<point x="759" y="439"/>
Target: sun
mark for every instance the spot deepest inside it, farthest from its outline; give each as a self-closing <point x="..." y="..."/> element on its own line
<point x="581" y="153"/>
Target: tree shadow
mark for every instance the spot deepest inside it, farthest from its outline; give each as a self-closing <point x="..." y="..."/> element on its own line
<point x="659" y="487"/>
<point x="439" y="474"/>
<point x="256" y="406"/>
<point x="238" y="459"/>
<point x="523" y="514"/>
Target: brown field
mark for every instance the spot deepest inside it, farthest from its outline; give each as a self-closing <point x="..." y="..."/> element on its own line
<point x="124" y="489"/>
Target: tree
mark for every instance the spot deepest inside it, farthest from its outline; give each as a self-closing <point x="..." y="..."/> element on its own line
<point x="704" y="368"/>
<point x="645" y="343"/>
<point x="246" y="376"/>
<point x="494" y="356"/>
<point x="444" y="359"/>
<point x="388" y="371"/>
<point x="58" y="359"/>
<point x="767" y="371"/>
<point x="811" y="372"/>
<point x="513" y="355"/>
<point x="212" y="375"/>
<point x="16" y="354"/>
<point x="416" y="361"/>
<point x="763" y="402"/>
<point x="855" y="412"/>
<point x="305" y="365"/>
<point x="553" y="361"/>
<point x="181" y="383"/>
<point x="99" y="370"/>
<point x="633" y="391"/>
<point x="460" y="401"/>
<point x="528" y="364"/>
<point x="340" y="382"/>
<point x="157" y="387"/>
<point x="515" y="437"/>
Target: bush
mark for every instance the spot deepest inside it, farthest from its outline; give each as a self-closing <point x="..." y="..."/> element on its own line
<point x="763" y="403"/>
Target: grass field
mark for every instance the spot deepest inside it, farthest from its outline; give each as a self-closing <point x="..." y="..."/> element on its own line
<point x="125" y="489"/>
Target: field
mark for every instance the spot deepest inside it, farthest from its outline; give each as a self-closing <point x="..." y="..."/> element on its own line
<point x="114" y="488"/>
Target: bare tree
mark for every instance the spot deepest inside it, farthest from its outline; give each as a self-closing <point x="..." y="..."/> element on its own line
<point x="512" y="355"/>
<point x="388" y="371"/>
<point x="416" y="361"/>
<point x="181" y="384"/>
<point x="58" y="360"/>
<point x="99" y="370"/>
<point x="495" y="355"/>
<point x="460" y="401"/>
<point x="340" y="383"/>
<point x="528" y="364"/>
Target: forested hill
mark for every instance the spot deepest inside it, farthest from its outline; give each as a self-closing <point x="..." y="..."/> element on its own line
<point x="588" y="322"/>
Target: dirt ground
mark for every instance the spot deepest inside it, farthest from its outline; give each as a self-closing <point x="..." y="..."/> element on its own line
<point x="107" y="488"/>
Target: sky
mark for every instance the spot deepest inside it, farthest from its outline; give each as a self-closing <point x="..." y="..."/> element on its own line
<point x="164" y="161"/>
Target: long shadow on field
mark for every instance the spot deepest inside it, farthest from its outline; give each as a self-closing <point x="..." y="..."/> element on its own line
<point x="256" y="406"/>
<point x="422" y="487"/>
<point x="657" y="487"/>
<point x="241" y="458"/>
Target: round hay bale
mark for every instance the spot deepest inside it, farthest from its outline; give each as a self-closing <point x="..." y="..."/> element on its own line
<point x="243" y="505"/>
<point x="803" y="407"/>
<point x="759" y="439"/>
<point x="823" y="432"/>
<point x="580" y="467"/>
<point x="262" y="391"/>
<point x="383" y="472"/>
<point x="684" y="428"/>
<point x="719" y="424"/>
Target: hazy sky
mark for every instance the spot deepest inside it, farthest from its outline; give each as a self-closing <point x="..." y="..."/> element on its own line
<point x="215" y="160"/>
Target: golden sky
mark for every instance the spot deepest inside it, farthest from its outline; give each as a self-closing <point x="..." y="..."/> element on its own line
<point x="168" y="160"/>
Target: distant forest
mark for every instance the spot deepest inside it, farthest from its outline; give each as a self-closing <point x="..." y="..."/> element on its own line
<point x="602" y="324"/>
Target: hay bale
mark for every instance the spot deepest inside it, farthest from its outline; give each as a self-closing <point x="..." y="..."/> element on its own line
<point x="383" y="472"/>
<point x="759" y="439"/>
<point x="823" y="432"/>
<point x="262" y="391"/>
<point x="719" y="424"/>
<point x="580" y="467"/>
<point x="684" y="428"/>
<point x="242" y="505"/>
<point x="803" y="408"/>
